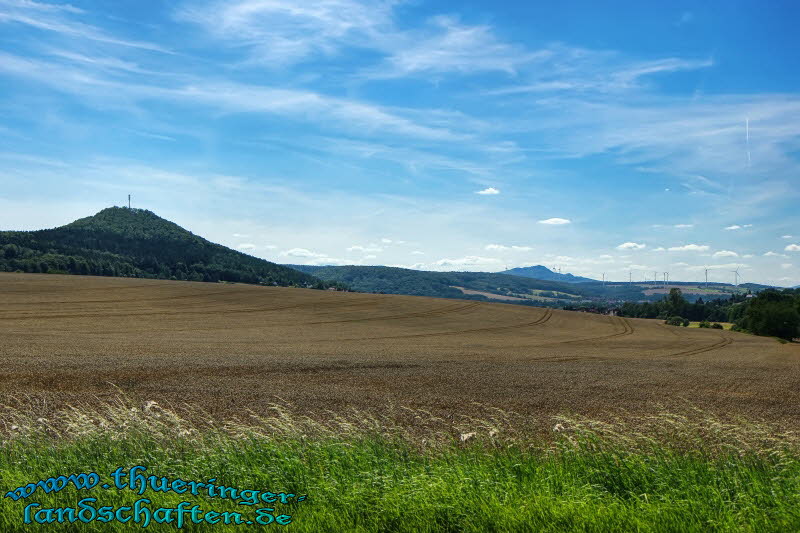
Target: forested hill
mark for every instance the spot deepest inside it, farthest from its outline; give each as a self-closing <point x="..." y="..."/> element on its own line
<point x="522" y="290"/>
<point x="119" y="241"/>
<point x="542" y="272"/>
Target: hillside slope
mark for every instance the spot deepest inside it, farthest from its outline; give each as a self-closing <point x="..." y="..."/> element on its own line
<point x="392" y="280"/>
<point x="544" y="273"/>
<point x="127" y="242"/>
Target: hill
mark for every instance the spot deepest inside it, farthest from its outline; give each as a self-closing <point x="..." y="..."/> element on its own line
<point x="125" y="242"/>
<point x="544" y="273"/>
<point x="498" y="286"/>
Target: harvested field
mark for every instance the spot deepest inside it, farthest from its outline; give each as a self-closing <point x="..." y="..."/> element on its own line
<point x="232" y="348"/>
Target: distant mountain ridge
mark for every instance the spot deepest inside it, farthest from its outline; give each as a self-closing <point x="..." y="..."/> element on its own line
<point x="393" y="280"/>
<point x="542" y="272"/>
<point x="119" y="241"/>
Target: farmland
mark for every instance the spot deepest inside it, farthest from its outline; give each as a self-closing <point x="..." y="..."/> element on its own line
<point x="392" y="413"/>
<point x="231" y="348"/>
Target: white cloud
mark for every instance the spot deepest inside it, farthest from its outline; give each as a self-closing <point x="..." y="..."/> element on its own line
<point x="503" y="248"/>
<point x="660" y="249"/>
<point x="555" y="221"/>
<point x="365" y="249"/>
<point x="786" y="265"/>
<point x="417" y="252"/>
<point x="689" y="248"/>
<point x="725" y="253"/>
<point x="683" y="226"/>
<point x="300" y="252"/>
<point x="490" y="190"/>
<point x="246" y="246"/>
<point x="281" y="32"/>
<point x="386" y="241"/>
<point x="49" y="17"/>
<point x="787" y="236"/>
<point x="631" y="246"/>
<point x="773" y="254"/>
<point x="727" y="266"/>
<point x="747" y="256"/>
<point x="792" y="248"/>
<point x="470" y="261"/>
<point x="454" y="47"/>
<point x="734" y="227"/>
<point x="322" y="259"/>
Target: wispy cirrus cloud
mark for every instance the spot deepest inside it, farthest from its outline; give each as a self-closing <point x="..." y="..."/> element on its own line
<point x="59" y="18"/>
<point x="583" y="71"/>
<point x="449" y="46"/>
<point x="284" y="32"/>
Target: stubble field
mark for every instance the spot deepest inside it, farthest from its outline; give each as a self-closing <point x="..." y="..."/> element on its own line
<point x="230" y="349"/>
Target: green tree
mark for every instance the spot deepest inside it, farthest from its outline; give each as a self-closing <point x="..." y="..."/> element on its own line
<point x="774" y="314"/>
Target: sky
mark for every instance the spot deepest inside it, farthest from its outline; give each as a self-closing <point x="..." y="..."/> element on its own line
<point x="473" y="135"/>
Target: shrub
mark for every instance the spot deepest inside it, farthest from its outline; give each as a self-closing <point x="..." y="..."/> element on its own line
<point x="674" y="321"/>
<point x="716" y="325"/>
<point x="685" y="323"/>
<point x="705" y="324"/>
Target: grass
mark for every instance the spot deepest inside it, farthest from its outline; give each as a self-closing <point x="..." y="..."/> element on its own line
<point x="725" y="325"/>
<point x="360" y="473"/>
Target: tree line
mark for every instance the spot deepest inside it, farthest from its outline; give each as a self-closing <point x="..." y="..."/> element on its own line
<point x="771" y="312"/>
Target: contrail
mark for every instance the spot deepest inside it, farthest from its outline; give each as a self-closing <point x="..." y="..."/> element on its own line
<point x="747" y="130"/>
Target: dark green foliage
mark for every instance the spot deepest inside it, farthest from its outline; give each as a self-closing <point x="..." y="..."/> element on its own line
<point x="674" y="321"/>
<point x="136" y="243"/>
<point x="717" y="310"/>
<point x="391" y="280"/>
<point x="772" y="313"/>
<point x="716" y="325"/>
<point x="705" y="324"/>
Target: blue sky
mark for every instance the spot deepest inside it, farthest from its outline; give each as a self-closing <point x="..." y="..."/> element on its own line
<point x="432" y="135"/>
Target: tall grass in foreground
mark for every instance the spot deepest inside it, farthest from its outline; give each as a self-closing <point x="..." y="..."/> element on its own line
<point x="660" y="473"/>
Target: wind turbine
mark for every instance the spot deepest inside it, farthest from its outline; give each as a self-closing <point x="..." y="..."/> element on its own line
<point x="736" y="276"/>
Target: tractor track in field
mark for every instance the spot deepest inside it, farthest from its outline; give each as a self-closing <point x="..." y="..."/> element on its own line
<point x="696" y="351"/>
<point x="120" y="301"/>
<point x="324" y="305"/>
<point x="627" y="329"/>
<point x="539" y="321"/>
<point x="446" y="310"/>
